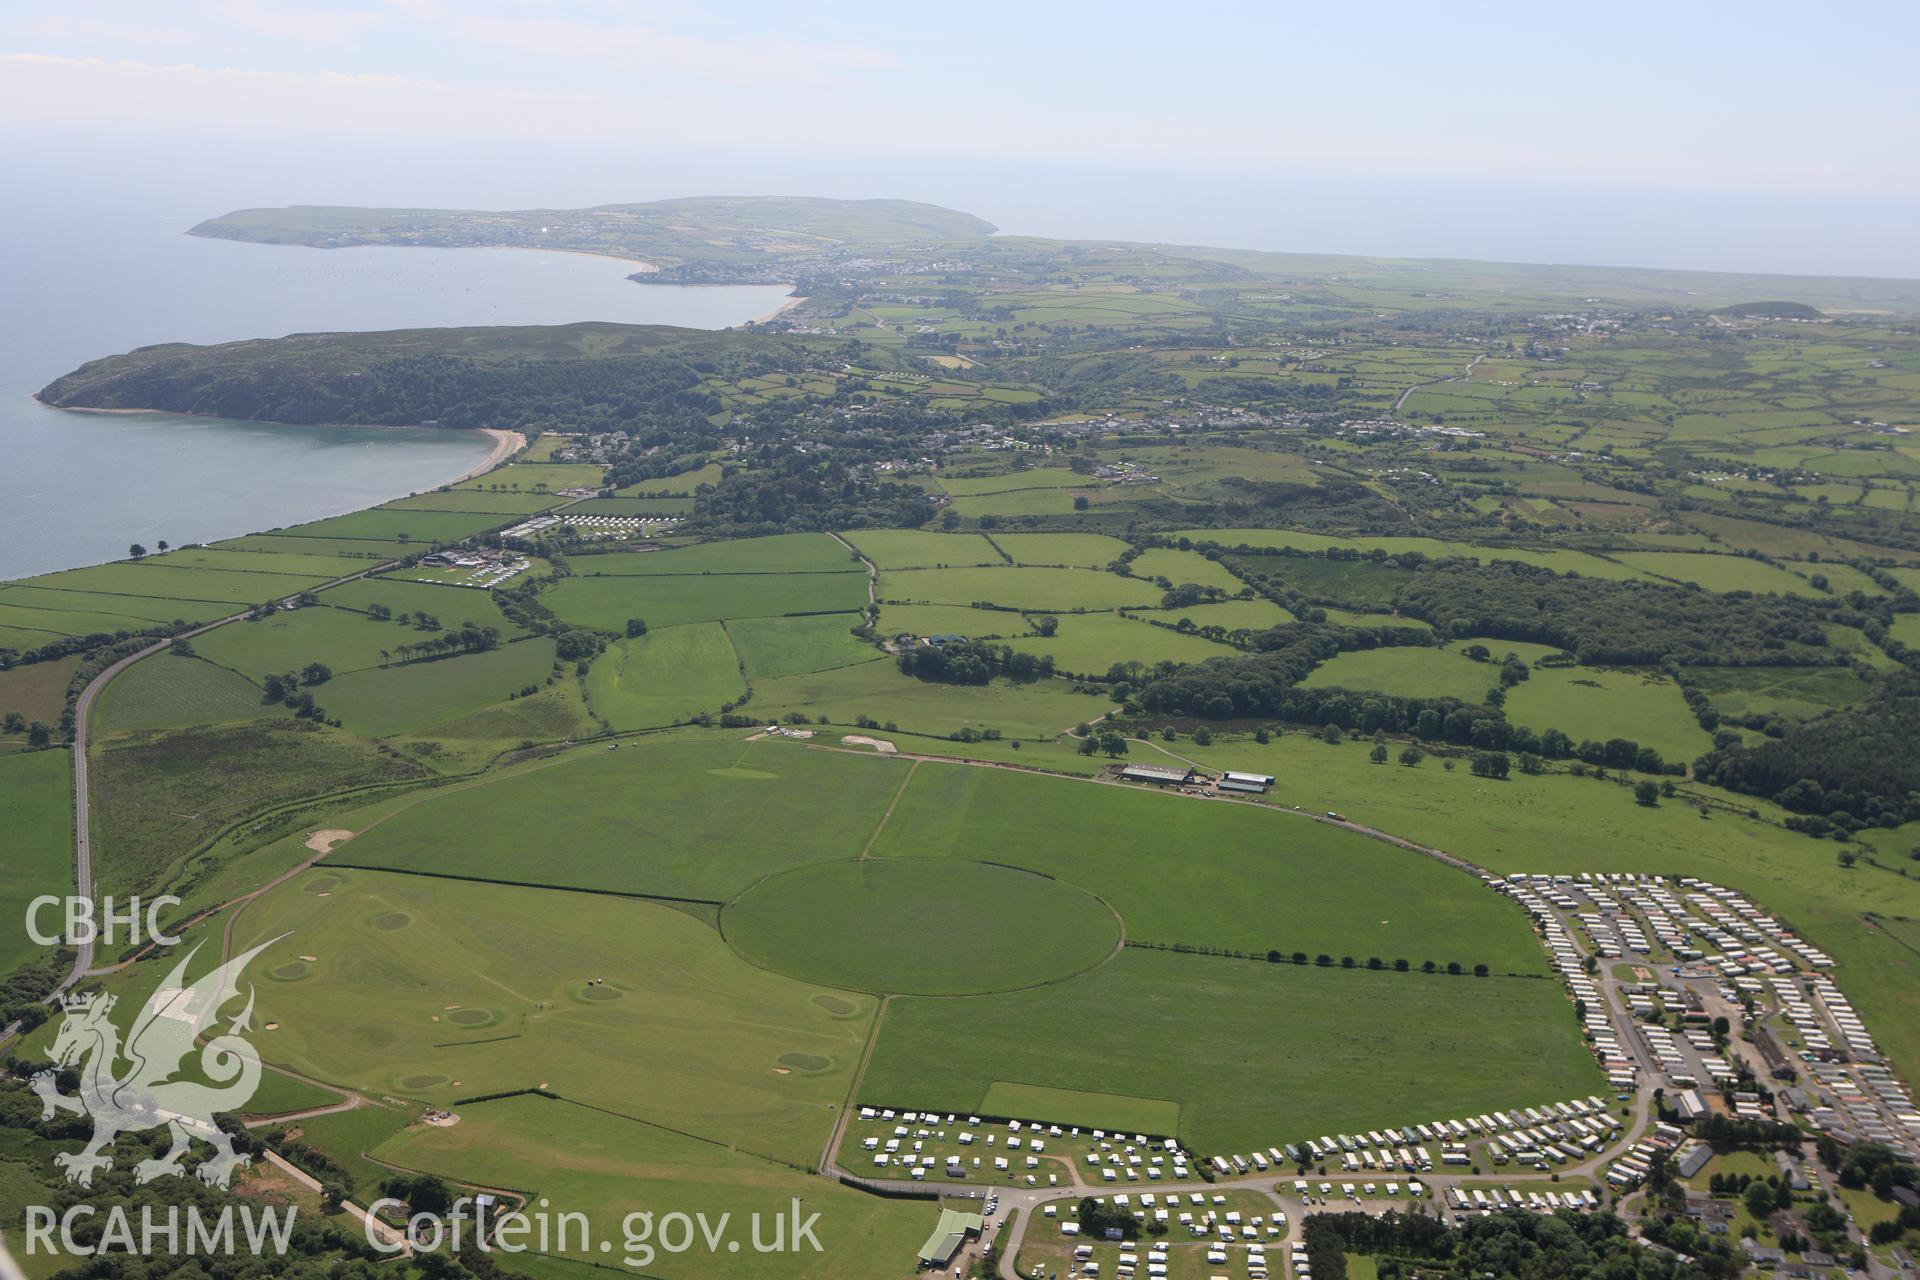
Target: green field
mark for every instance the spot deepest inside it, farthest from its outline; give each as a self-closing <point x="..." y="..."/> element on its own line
<point x="288" y="640"/>
<point x="1560" y="561"/>
<point x="1014" y="481"/>
<point x="30" y="628"/>
<point x="349" y="1137"/>
<point x="693" y="837"/>
<point x="437" y="990"/>
<point x="478" y="502"/>
<point x="160" y="794"/>
<point x="1343" y="1050"/>
<point x="1788" y="691"/>
<point x="781" y="553"/>
<point x="36" y="812"/>
<point x="605" y="603"/>
<point x="537" y="476"/>
<point x="665" y="677"/>
<point x="453" y="606"/>
<point x="606" y="1166"/>
<point x="949" y="619"/>
<point x="1075" y="550"/>
<point x="864" y="926"/>
<point x="1409" y="672"/>
<point x="38" y="690"/>
<point x="45" y="594"/>
<point x="1581" y="702"/>
<point x="1559" y="823"/>
<point x="359" y="553"/>
<point x="1718" y="573"/>
<point x="1153" y="1116"/>
<point x="1605" y="702"/>
<point x="159" y="582"/>
<point x="771" y="647"/>
<point x="390" y="525"/>
<point x="1236" y="876"/>
<point x="1088" y="644"/>
<point x="878" y="691"/>
<point x="919" y="549"/>
<point x="1018" y="502"/>
<point x="170" y="692"/>
<point x="1062" y="590"/>
<point x="686" y="482"/>
<point x="1179" y="567"/>
<point x="322" y="565"/>
<point x="631" y="507"/>
<point x="1230" y="615"/>
<point x="413" y="696"/>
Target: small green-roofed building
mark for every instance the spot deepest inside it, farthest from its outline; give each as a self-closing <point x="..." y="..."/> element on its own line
<point x="953" y="1231"/>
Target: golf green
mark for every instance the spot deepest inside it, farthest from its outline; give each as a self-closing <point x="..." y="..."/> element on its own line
<point x="920" y="926"/>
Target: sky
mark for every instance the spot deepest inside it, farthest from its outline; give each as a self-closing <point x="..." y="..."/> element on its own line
<point x="1756" y="136"/>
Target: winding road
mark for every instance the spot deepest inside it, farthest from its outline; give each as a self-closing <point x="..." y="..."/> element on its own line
<point x="82" y="801"/>
<point x="1434" y="382"/>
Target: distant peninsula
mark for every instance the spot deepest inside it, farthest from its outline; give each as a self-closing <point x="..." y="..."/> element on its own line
<point x="919" y="255"/>
<point x="699" y="240"/>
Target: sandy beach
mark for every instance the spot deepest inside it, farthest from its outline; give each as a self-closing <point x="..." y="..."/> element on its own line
<point x="639" y="267"/>
<point x="788" y="305"/>
<point x="505" y="445"/>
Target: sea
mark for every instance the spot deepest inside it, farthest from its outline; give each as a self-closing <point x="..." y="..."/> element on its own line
<point x="88" y="279"/>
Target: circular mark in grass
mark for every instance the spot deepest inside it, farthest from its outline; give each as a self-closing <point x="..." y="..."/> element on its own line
<point x="920" y="926"/>
<point x="322" y="884"/>
<point x="805" y="1061"/>
<point x="422" y="1082"/>
<point x="838" y="1006"/>
<point x="600" y="992"/>
<point x="291" y="971"/>
<point x="390" y="920"/>
<point x="471" y="1017"/>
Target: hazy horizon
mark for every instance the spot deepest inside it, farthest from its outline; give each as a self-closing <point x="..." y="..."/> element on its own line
<point x="1675" y="230"/>
<point x="1402" y="133"/>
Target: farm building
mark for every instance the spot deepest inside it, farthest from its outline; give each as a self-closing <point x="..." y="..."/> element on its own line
<point x="949" y="1234"/>
<point x="1159" y="774"/>
<point x="1693" y="1160"/>
<point x="1254" y="783"/>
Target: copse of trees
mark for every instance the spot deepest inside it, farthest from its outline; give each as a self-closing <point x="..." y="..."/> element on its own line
<point x="1848" y="768"/>
<point x="1570" y="1246"/>
<point x="802" y="492"/>
<point x="972" y="662"/>
<point x="1623" y="623"/>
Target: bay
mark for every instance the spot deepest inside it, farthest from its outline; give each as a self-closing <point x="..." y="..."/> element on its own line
<point x="97" y="277"/>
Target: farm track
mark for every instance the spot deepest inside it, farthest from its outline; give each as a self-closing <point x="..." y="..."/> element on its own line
<point x="1463" y="374"/>
<point x="873" y="570"/>
<point x="866" y="851"/>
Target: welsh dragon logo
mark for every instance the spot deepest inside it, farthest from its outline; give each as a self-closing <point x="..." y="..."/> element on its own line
<point x="148" y="1095"/>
